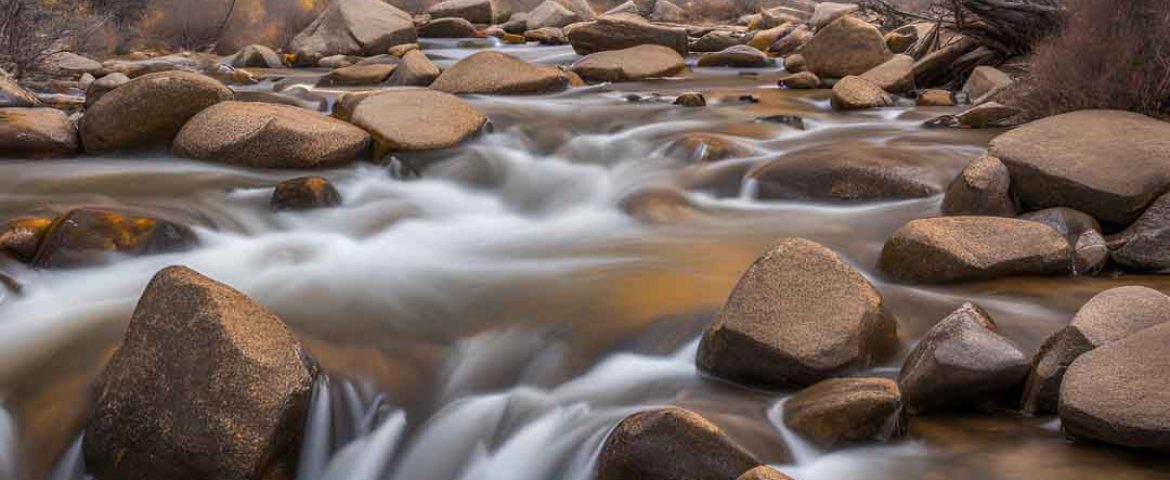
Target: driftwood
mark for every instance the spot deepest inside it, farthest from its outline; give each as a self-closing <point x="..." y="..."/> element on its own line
<point x="1010" y="27"/>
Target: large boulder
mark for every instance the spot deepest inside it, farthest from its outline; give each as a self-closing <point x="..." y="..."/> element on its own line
<point x="551" y="14"/>
<point x="799" y="315"/>
<point x="845" y="410"/>
<point x="828" y="12"/>
<point x="894" y="76"/>
<point x="417" y="119"/>
<point x="856" y="93"/>
<point x="270" y="136"/>
<point x="741" y="56"/>
<point x="845" y="172"/>
<point x="848" y="46"/>
<point x="982" y="188"/>
<point x="1143" y="245"/>
<point x="36" y="133"/>
<point x="474" y="11"/>
<point x="352" y="27"/>
<point x="206" y="384"/>
<point x="305" y="193"/>
<point x="498" y="73"/>
<point x="959" y="249"/>
<point x="451" y="27"/>
<point x="635" y="63"/>
<point x="670" y="443"/>
<point x="84" y="237"/>
<point x="1109" y="164"/>
<point x="1117" y="393"/>
<point x="148" y="111"/>
<point x="1108" y="317"/>
<point x="416" y="70"/>
<point x="256" y="56"/>
<point x="623" y="31"/>
<point x="14" y="95"/>
<point x="960" y="364"/>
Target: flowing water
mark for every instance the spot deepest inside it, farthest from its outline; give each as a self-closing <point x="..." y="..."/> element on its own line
<point x="496" y="317"/>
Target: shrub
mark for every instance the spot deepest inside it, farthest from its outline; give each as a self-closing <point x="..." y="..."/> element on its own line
<point x="31" y="30"/>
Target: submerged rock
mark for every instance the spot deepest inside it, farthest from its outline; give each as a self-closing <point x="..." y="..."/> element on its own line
<point x="352" y="27"/>
<point x="856" y="93"/>
<point x="623" y="31"/>
<point x="85" y="237"/>
<point x="206" y="384"/>
<point x="636" y="63"/>
<point x="305" y="193"/>
<point x="844" y="410"/>
<point x="498" y="73"/>
<point x="845" y="172"/>
<point x="474" y="11"/>
<point x="706" y="147"/>
<point x="691" y="99"/>
<point x="668" y="444"/>
<point x="36" y="133"/>
<point x="848" y="46"/>
<point x="799" y="315"/>
<point x="1143" y="246"/>
<point x="417" y="119"/>
<point x="982" y="188"/>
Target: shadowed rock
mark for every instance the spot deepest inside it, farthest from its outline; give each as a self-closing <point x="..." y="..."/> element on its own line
<point x="848" y="46"/>
<point x="417" y="119"/>
<point x="448" y="28"/>
<point x="1143" y="246"/>
<point x="668" y="444"/>
<point x="622" y="31"/>
<point x="85" y="237"/>
<point x="636" y="63"/>
<point x="36" y="133"/>
<point x="982" y="188"/>
<point x="305" y="193"/>
<point x="706" y="147"/>
<point x="352" y="27"/>
<point x="845" y="410"/>
<point x="498" y="73"/>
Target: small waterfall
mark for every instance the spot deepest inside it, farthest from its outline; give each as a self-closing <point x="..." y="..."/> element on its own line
<point x="72" y="464"/>
<point x="803" y="452"/>
<point x="750" y="189"/>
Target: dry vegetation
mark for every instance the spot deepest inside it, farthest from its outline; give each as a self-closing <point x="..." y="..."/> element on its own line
<point x="31" y="30"/>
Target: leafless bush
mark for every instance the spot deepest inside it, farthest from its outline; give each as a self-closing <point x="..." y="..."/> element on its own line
<point x="31" y="30"/>
<point x="1111" y="55"/>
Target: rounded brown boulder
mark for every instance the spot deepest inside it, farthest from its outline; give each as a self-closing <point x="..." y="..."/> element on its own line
<point x="635" y="63"/>
<point x="856" y="93"/>
<point x="417" y="119"/>
<point x="848" y="46"/>
<point x="799" y="315"/>
<point x="622" y="31"/>
<point x="36" y="133"/>
<point x="206" y="384"/>
<point x="148" y="111"/>
<point x="844" y="410"/>
<point x="270" y="136"/>
<point x="352" y="27"/>
<point x="669" y="444"/>
<point x="498" y="73"/>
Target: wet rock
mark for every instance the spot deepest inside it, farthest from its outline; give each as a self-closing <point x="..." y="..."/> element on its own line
<point x="894" y="76"/>
<point x="305" y="193"/>
<point x="1109" y="316"/>
<point x="740" y="56"/>
<point x="148" y="111"/>
<point x="786" y="120"/>
<point x="1072" y="160"/>
<point x="417" y="120"/>
<point x="36" y="133"/>
<point x="659" y="204"/>
<point x="800" y="81"/>
<point x="791" y="43"/>
<point x="795" y="63"/>
<point x="856" y="93"/>
<point x="763" y="39"/>
<point x="960" y="364"/>
<point x="985" y="82"/>
<point x="1117" y="393"/>
<point x="256" y="56"/>
<point x="547" y="36"/>
<point x="269" y="136"/>
<point x="667" y="12"/>
<point x="474" y="11"/>
<point x="498" y="73"/>
<point x="691" y="100"/>
<point x="845" y="172"/>
<point x="206" y="384"/>
<point x="1143" y="245"/>
<point x="448" y="28"/>
<point x="845" y="47"/>
<point x="845" y="410"/>
<point x="670" y="443"/>
<point x="828" y="12"/>
<point x="636" y="63"/>
<point x="416" y="70"/>
<point x="352" y="27"/>
<point x="619" y="32"/>
<point x="89" y="236"/>
<point x="763" y="472"/>
<point x="799" y="315"/>
<point x="357" y="75"/>
<point x="982" y="188"/>
<point x="14" y="95"/>
<point x="935" y="69"/>
<point x="936" y="98"/>
<point x="68" y="65"/>
<point x="551" y="14"/>
<point x="960" y="249"/>
<point x="716" y="40"/>
<point x="988" y="115"/>
<point x="21" y="236"/>
<point x="705" y="147"/>
<point x="103" y="86"/>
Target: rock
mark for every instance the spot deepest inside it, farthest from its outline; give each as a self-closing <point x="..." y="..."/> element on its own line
<point x="670" y="443"/>
<point x="739" y="56"/>
<point x="691" y="99"/>
<point x="269" y="136"/>
<point x="620" y="32"/>
<point x="21" y="236"/>
<point x="848" y="46"/>
<point x="68" y="65"/>
<point x="1090" y="253"/>
<point x="338" y="61"/>
<point x="414" y="71"/>
<point x="800" y="81"/>
<point x="357" y="75"/>
<point x="629" y="8"/>
<point x="961" y="363"/>
<point x="659" y="204"/>
<point x="982" y="188"/>
<point x="763" y="472"/>
<point x="352" y="27"/>
<point x="256" y="56"/>
<point x="1109" y="316"/>
<point x="498" y="73"/>
<point x="103" y="86"/>
<point x="551" y="14"/>
<point x="582" y="8"/>
<point x="935" y="68"/>
<point x="1142" y="246"/>
<point x="1066" y="221"/>
<point x="547" y="36"/>
<point x="1117" y="393"/>
<point x="260" y="96"/>
<point x="856" y="93"/>
<point x="845" y="172"/>
<point x="716" y="40"/>
<point x="667" y="12"/>
<point x="417" y="119"/>
<point x="36" y="133"/>
<point x="894" y="76"/>
<point x="401" y="50"/>
<point x="14" y="95"/>
<point x="86" y="80"/>
<point x="791" y="43"/>
<point x="989" y="115"/>
<point x="448" y="28"/>
<point x="792" y="121"/>
<point x="960" y="249"/>
<point x="513" y="39"/>
<point x="147" y="111"/>
<point x="900" y="41"/>
<point x="1072" y="160"/>
<point x="795" y="63"/>
<point x="631" y="64"/>
<point x="845" y="410"/>
<point x="206" y="384"/>
<point x="936" y="98"/>
<point x="763" y="39"/>
<point x="706" y="148"/>
<point x="474" y="11"/>
<point x="383" y="59"/>
<point x="186" y="62"/>
<point x="799" y="315"/>
<point x="517" y="24"/>
<point x="305" y="193"/>
<point x="985" y="82"/>
<point x="828" y="12"/>
<point x="85" y="237"/>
